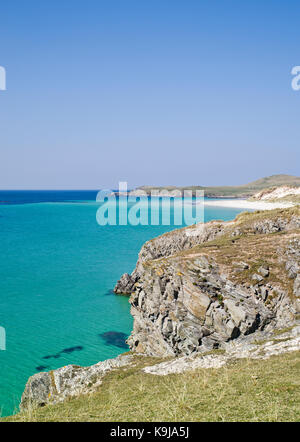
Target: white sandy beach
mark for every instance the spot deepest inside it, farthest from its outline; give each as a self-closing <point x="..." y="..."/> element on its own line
<point x="244" y="204"/>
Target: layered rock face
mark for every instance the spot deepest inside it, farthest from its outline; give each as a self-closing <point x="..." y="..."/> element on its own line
<point x="169" y="244"/>
<point x="67" y="382"/>
<point x="197" y="288"/>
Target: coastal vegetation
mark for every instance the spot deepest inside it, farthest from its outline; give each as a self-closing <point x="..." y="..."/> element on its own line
<point x="245" y="390"/>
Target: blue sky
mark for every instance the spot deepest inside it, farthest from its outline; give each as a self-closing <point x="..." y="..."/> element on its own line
<point x="150" y="92"/>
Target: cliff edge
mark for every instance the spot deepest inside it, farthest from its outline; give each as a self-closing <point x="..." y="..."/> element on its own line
<point x="196" y="288"/>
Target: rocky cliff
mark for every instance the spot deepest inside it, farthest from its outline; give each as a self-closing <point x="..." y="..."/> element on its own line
<point x="197" y="288"/>
<point x="219" y="287"/>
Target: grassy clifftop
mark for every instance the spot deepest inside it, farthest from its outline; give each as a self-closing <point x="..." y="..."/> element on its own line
<point x="246" y="390"/>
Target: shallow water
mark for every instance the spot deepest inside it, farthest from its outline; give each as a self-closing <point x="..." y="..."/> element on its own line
<point x="57" y="271"/>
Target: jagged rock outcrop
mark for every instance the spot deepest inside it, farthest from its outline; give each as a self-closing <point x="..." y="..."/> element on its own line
<point x="66" y="382"/>
<point x="168" y="244"/>
<point x="261" y="348"/>
<point x="198" y="288"/>
<point x="125" y="285"/>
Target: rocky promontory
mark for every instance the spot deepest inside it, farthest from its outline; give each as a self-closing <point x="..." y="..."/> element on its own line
<point x="201" y="296"/>
<point x="197" y="288"/>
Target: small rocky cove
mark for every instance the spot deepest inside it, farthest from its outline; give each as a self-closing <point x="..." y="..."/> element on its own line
<point x="201" y="296"/>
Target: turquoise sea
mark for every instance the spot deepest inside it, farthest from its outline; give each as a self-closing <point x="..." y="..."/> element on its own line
<point x="57" y="271"/>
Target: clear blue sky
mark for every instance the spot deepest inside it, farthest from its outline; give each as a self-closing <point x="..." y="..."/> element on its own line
<point x="149" y="92"/>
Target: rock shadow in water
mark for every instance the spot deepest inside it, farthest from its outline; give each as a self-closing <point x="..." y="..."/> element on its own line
<point x="109" y="293"/>
<point x="115" y="338"/>
<point x="71" y="349"/>
<point x="41" y="367"/>
<point x="52" y="356"/>
<point x="65" y="350"/>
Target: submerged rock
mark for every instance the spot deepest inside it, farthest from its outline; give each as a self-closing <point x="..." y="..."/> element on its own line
<point x="115" y="338"/>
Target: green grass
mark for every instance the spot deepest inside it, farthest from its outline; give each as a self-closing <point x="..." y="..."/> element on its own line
<point x="247" y="390"/>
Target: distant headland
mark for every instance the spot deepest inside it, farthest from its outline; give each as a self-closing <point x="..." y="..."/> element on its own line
<point x="241" y="191"/>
